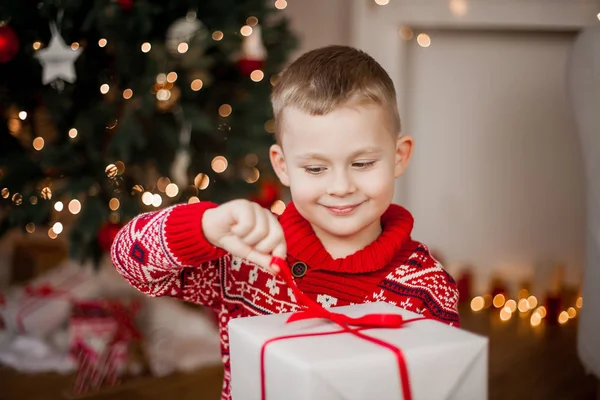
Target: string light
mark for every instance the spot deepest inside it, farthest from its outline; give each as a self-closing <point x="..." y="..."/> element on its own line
<point x="193" y="200"/>
<point x="424" y="40"/>
<point x="102" y="42"/>
<point x="217" y="35"/>
<point x="535" y="319"/>
<point x="201" y="181"/>
<point x="37" y="45"/>
<point x="57" y="228"/>
<point x="571" y="312"/>
<point x="278" y="207"/>
<point x="523" y="305"/>
<point x="172" y="190"/>
<point x="72" y="133"/>
<point x="183" y="47"/>
<point x="104" y="88"/>
<point x="74" y="206"/>
<point x="477" y="303"/>
<point x="114" y="204"/>
<point x="22" y="115"/>
<point x="579" y="302"/>
<point x="511" y="305"/>
<point x="251" y="21"/>
<point x="505" y="314"/>
<point x="498" y="300"/>
<point x="74" y="46"/>
<point x="246" y="30"/>
<point x="147" y="198"/>
<point x="532" y="301"/>
<point x="541" y="311"/>
<point x="146" y="47"/>
<point x="382" y="2"/>
<point x="161" y="79"/>
<point x="127" y="93"/>
<point x="162" y="182"/>
<point x="219" y="164"/>
<point x="523" y="293"/>
<point x="38" y="143"/>
<point x="225" y="110"/>
<point x="280" y="4"/>
<point x="563" y="317"/>
<point x="251" y="175"/>
<point x="163" y="95"/>
<point x="196" y="85"/>
<point x="171" y="77"/>
<point x="156" y="200"/>
<point x="58" y="206"/>
<point x="52" y="234"/>
<point x="5" y="193"/>
<point x="257" y="75"/>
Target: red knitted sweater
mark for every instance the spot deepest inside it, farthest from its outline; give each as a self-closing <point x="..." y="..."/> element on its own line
<point x="164" y="253"/>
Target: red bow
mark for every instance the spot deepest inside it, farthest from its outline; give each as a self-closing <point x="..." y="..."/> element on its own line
<point x="315" y="310"/>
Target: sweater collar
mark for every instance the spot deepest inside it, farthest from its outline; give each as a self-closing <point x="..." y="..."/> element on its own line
<point x="304" y="245"/>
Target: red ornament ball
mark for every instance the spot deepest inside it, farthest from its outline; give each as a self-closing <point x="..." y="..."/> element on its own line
<point x="106" y="236"/>
<point x="268" y="194"/>
<point x="9" y="43"/>
<point x="247" y="65"/>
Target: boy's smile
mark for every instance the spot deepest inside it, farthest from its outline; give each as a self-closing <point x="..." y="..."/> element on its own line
<point x="341" y="169"/>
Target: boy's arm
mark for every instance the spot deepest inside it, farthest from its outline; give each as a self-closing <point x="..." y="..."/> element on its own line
<point x="165" y="253"/>
<point x="422" y="286"/>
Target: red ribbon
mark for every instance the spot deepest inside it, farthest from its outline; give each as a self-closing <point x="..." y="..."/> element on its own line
<point x="315" y="310"/>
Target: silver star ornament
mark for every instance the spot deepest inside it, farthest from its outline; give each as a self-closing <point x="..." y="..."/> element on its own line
<point x="58" y="60"/>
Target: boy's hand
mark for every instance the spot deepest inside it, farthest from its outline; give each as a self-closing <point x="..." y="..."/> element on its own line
<point x="246" y="230"/>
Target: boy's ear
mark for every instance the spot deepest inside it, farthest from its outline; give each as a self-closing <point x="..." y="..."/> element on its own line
<point x="278" y="163"/>
<point x="404" y="148"/>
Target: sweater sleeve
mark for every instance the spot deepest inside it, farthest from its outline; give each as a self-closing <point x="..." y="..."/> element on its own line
<point x="422" y="286"/>
<point x="165" y="253"/>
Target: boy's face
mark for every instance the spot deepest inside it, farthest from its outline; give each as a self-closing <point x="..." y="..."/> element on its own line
<point x="341" y="167"/>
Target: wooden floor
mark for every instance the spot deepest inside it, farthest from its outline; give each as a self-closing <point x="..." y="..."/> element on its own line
<point x="525" y="364"/>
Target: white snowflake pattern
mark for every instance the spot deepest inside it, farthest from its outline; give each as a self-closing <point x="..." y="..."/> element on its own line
<point x="379" y="296"/>
<point x="291" y="295"/>
<point x="327" y="300"/>
<point x="272" y="285"/>
<point x="406" y="304"/>
<point x="236" y="263"/>
<point x="253" y="276"/>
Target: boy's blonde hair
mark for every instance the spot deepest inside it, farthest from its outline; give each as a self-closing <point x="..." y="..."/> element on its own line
<point x="324" y="79"/>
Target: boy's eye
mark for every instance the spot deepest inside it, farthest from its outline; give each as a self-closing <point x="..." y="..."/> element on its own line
<point x="314" y="170"/>
<point x="363" y="164"/>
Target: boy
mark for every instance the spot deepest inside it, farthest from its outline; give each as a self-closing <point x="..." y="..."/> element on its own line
<point x="339" y="150"/>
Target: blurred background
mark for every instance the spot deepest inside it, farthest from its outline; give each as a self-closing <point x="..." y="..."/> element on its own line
<point x="112" y="108"/>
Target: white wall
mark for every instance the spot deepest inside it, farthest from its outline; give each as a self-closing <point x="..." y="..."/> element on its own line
<point x="319" y="23"/>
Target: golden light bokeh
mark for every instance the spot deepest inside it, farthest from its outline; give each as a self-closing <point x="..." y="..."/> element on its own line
<point x="201" y="181"/>
<point x="172" y="190"/>
<point x="541" y="311"/>
<point x="217" y="35"/>
<point x="280" y="4"/>
<point x="477" y="303"/>
<point x="505" y="314"/>
<point x="147" y="198"/>
<point x="225" y="110"/>
<point x="535" y="319"/>
<point x="74" y="46"/>
<point x="73" y="133"/>
<point x="162" y="182"/>
<point x="22" y="115"/>
<point x="257" y="75"/>
<point x="511" y="305"/>
<point x="146" y="47"/>
<point x="156" y="200"/>
<point x="104" y="88"/>
<point x="5" y="193"/>
<point x="571" y="312"/>
<point x="251" y="175"/>
<point x="17" y="199"/>
<point x="563" y="317"/>
<point x="102" y="42"/>
<point x="382" y="2"/>
<point x="171" y="77"/>
<point x="251" y="21"/>
<point x="406" y="33"/>
<point x="532" y="301"/>
<point x="30" y="227"/>
<point x="183" y="47"/>
<point x="246" y="30"/>
<point x="579" y="302"/>
<point x="193" y="200"/>
<point x="424" y="40"/>
<point x="114" y="204"/>
<point x="59" y="206"/>
<point x="219" y="164"/>
<point x="523" y="305"/>
<point x="127" y="93"/>
<point x="37" y="45"/>
<point x="57" y="228"/>
<point x="52" y="234"/>
<point x="196" y="84"/>
<point x="499" y="300"/>
<point x="74" y="206"/>
<point x="38" y="143"/>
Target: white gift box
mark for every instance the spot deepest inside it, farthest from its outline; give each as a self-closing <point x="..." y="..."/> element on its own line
<point x="46" y="306"/>
<point x="444" y="362"/>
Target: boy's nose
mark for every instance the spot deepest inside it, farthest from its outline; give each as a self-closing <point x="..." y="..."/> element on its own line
<point x="341" y="185"/>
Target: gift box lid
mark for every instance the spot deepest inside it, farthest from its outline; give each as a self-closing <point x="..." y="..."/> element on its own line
<point x="439" y="357"/>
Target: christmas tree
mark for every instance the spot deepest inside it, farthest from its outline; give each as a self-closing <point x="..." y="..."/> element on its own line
<point x="112" y="108"/>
